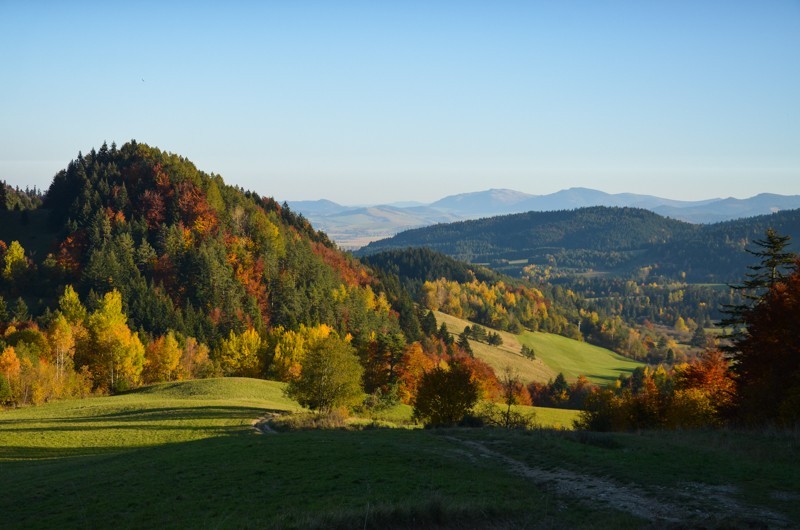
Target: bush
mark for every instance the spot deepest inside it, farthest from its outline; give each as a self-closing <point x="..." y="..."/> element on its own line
<point x="330" y="377"/>
<point x="493" y="416"/>
<point x="445" y="396"/>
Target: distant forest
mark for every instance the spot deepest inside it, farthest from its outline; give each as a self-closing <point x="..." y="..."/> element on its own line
<point x="626" y="242"/>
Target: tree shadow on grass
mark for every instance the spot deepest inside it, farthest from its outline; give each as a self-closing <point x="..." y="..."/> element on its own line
<point x="155" y="414"/>
<point x="611" y="378"/>
<point x="98" y="434"/>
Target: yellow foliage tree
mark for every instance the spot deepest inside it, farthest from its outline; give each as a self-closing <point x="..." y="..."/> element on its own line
<point x="242" y="354"/>
<point x="112" y="352"/>
<point x="62" y="342"/>
<point x="14" y="263"/>
<point x="195" y="361"/>
<point x="162" y="359"/>
<point x="9" y="363"/>
<point x="289" y="348"/>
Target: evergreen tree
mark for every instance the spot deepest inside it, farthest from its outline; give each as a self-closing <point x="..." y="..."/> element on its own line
<point x="429" y="324"/>
<point x="766" y="359"/>
<point x="21" y="313"/>
<point x="774" y="263"/>
<point x="3" y="309"/>
<point x="463" y="342"/>
<point x="699" y="337"/>
<point x="772" y="267"/>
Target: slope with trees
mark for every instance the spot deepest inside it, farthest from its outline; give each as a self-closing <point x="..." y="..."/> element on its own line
<point x="623" y="241"/>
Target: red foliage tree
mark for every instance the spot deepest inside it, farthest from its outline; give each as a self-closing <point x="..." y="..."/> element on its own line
<point x="766" y="360"/>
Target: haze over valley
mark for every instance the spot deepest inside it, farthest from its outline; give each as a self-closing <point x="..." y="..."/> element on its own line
<point x="354" y="226"/>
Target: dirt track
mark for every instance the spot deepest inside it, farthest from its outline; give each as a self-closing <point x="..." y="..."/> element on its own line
<point x="692" y="505"/>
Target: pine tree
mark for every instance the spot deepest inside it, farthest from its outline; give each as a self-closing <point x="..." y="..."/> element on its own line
<point x="774" y="263"/>
<point x="463" y="342"/>
<point x="21" y="313"/>
<point x="3" y="310"/>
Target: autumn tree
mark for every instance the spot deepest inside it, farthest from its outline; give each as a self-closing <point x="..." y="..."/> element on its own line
<point x="413" y="366"/>
<point x="445" y="395"/>
<point x="330" y="377"/>
<point x="704" y="389"/>
<point x="111" y="351"/>
<point x="242" y="354"/>
<point x="766" y="359"/>
<point x="15" y="264"/>
<point x="195" y="361"/>
<point x="69" y="304"/>
<point x="161" y="359"/>
<point x="62" y="341"/>
<point x="514" y="392"/>
<point x="10" y="367"/>
<point x="289" y="348"/>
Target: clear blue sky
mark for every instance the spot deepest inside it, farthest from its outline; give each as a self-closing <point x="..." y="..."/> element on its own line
<point x="368" y="102"/>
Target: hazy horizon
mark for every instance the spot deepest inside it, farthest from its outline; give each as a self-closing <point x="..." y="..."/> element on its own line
<point x="377" y="103"/>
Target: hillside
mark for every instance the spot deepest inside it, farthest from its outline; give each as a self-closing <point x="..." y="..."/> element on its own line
<point x="622" y="241"/>
<point x="554" y="354"/>
<point x="187" y="252"/>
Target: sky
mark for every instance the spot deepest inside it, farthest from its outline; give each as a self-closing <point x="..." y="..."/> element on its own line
<point x="377" y="102"/>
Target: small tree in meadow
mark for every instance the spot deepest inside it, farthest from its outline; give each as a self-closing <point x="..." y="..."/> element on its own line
<point x="445" y="396"/>
<point x="330" y="377"/>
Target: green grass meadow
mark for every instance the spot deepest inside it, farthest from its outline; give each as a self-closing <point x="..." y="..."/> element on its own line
<point x="574" y="358"/>
<point x="185" y="455"/>
<point x="554" y="354"/>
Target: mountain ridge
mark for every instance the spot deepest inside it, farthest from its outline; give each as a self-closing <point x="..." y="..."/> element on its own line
<point x="601" y="239"/>
<point x="353" y="232"/>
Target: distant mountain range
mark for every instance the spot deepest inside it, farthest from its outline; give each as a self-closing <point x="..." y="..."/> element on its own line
<point x="355" y="226"/>
<point x="629" y="242"/>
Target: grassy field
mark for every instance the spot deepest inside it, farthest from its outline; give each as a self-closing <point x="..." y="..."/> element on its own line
<point x="185" y="455"/>
<point x="574" y="358"/>
<point x="554" y="354"/>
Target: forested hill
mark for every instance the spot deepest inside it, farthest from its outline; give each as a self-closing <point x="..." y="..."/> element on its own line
<point x="595" y="228"/>
<point x="618" y="240"/>
<point x="187" y="252"/>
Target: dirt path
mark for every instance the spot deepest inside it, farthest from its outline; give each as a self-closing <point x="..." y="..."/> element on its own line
<point x="261" y="425"/>
<point x="693" y="504"/>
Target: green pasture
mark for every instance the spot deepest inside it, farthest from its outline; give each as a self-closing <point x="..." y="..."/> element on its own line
<point x="554" y="354"/>
<point x="185" y="455"/>
<point x="181" y="455"/>
<point x="574" y="358"/>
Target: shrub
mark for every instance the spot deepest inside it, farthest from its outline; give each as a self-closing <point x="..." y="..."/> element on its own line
<point x="445" y="395"/>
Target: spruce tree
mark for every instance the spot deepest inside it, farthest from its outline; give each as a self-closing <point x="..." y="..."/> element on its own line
<point x="3" y="310"/>
<point x="774" y="263"/>
<point x="21" y="311"/>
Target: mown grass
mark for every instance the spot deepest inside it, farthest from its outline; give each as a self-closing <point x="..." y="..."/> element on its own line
<point x="574" y="358"/>
<point x="546" y="418"/>
<point x="554" y="354"/>
<point x="166" y="413"/>
<point x="185" y="455"/>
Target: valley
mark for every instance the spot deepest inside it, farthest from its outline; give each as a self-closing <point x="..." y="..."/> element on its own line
<point x="353" y="227"/>
<point x="176" y="351"/>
